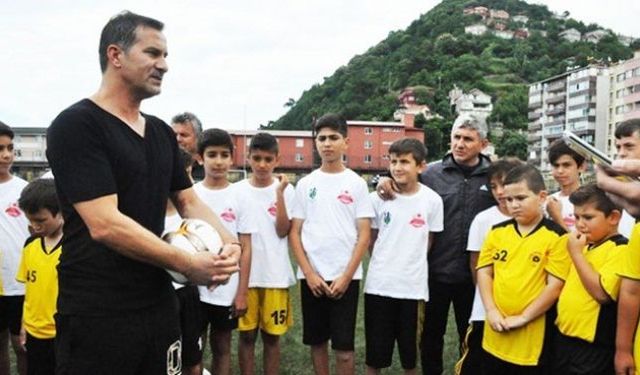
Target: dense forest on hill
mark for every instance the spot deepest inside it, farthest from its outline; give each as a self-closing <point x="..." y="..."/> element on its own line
<point x="434" y="53"/>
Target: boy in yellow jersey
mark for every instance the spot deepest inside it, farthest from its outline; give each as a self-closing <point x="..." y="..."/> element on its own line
<point x="38" y="271"/>
<point x="521" y="269"/>
<point x="587" y="305"/>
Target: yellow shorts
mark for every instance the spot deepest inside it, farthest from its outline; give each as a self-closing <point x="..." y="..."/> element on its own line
<point x="268" y="309"/>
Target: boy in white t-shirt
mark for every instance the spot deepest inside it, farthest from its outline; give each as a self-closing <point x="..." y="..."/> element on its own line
<point x="223" y="305"/>
<point x="471" y="361"/>
<point x="13" y="233"/>
<point x="329" y="235"/>
<point x="398" y="271"/>
<point x="268" y="302"/>
<point x="566" y="166"/>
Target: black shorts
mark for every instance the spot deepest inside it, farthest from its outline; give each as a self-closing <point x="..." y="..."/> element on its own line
<point x="41" y="359"/>
<point x="387" y="320"/>
<point x="191" y="325"/>
<point x="11" y="313"/>
<point x="140" y="342"/>
<point x="575" y="356"/>
<point x="473" y="356"/>
<point x="326" y="319"/>
<point x="496" y="366"/>
<point x="219" y="317"/>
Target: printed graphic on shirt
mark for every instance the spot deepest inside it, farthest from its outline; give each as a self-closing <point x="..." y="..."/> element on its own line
<point x="228" y="215"/>
<point x="386" y="217"/>
<point x="345" y="197"/>
<point x="417" y="221"/>
<point x="272" y="209"/>
<point x="312" y="193"/>
<point x="13" y="210"/>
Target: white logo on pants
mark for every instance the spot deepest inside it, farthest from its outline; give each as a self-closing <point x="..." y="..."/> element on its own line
<point x="174" y="358"/>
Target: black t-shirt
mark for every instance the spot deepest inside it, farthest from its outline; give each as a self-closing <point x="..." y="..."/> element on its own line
<point x="93" y="154"/>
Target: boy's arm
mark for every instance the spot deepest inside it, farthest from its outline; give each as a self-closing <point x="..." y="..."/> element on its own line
<point x="628" y="311"/>
<point x="240" y="301"/>
<point x="317" y="285"/>
<point x="588" y="276"/>
<point x="473" y="263"/>
<point x="539" y="305"/>
<point x="372" y="242"/>
<point x="339" y="286"/>
<point x="554" y="209"/>
<point x="485" y="285"/>
<point x="283" y="223"/>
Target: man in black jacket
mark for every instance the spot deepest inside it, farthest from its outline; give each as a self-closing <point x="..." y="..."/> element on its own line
<point x="460" y="178"/>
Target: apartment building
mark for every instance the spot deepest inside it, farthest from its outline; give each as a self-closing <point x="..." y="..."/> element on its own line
<point x="624" y="98"/>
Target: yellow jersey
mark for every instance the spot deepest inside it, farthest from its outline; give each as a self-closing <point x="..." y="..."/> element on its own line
<point x="630" y="269"/>
<point x="579" y="314"/>
<point x="520" y="268"/>
<point x="39" y="273"/>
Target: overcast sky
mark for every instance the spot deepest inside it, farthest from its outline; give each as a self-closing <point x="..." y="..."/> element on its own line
<point x="233" y="63"/>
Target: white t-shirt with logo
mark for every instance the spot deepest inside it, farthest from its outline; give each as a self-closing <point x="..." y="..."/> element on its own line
<point x="567" y="210"/>
<point x="14" y="231"/>
<point x="330" y="204"/>
<point x="234" y="211"/>
<point x="480" y="227"/>
<point x="270" y="262"/>
<point x="398" y="267"/>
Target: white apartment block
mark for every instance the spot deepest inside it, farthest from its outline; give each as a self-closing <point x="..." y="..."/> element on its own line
<point x="624" y="97"/>
<point x="30" y="144"/>
<point x="575" y="100"/>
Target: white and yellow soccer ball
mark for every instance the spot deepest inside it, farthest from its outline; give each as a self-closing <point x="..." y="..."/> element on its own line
<point x="193" y="236"/>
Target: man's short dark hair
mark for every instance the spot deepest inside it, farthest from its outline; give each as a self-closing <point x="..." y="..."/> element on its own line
<point x="332" y="121"/>
<point x="592" y="194"/>
<point x="409" y="146"/>
<point x="500" y="167"/>
<point x="628" y="128"/>
<point x="121" y="31"/>
<point x="188" y="118"/>
<point x="559" y="148"/>
<point x="214" y="137"/>
<point x="527" y="173"/>
<point x="39" y="194"/>
<point x="264" y="142"/>
<point x="5" y="130"/>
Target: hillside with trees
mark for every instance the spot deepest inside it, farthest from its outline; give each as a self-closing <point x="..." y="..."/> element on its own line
<point x="434" y="53"/>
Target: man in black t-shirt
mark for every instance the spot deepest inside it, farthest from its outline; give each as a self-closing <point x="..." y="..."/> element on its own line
<point x="115" y="168"/>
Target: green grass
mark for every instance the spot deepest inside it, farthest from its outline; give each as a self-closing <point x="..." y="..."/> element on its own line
<point x="297" y="360"/>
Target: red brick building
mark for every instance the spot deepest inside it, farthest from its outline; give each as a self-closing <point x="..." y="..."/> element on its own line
<point x="368" y="150"/>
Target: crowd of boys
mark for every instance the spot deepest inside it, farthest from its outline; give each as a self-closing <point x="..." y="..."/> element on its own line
<point x="557" y="276"/>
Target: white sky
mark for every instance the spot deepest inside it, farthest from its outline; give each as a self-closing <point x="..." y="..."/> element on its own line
<point x="233" y="63"/>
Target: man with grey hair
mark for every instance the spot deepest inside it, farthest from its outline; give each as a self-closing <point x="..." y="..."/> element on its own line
<point x="460" y="178"/>
<point x="188" y="127"/>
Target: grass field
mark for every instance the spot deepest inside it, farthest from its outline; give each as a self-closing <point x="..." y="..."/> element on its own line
<point x="296" y="358"/>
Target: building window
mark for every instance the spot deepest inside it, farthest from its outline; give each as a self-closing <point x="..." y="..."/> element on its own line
<point x="368" y="131"/>
<point x="368" y="144"/>
<point x="299" y="158"/>
<point x="367" y="158"/>
<point x="17" y="152"/>
<point x="247" y="141"/>
<point x="299" y="143"/>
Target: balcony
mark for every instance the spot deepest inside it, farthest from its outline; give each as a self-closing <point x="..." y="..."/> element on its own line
<point x="536" y="104"/>
<point x="534" y="115"/>
<point x="556" y="121"/>
<point x="555" y="99"/>
<point x="553" y="131"/>
<point x="534" y="137"/>
<point x="555" y="111"/>
<point x="534" y="126"/>
<point x="557" y="86"/>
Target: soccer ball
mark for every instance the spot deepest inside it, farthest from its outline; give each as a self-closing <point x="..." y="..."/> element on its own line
<point x="192" y="236"/>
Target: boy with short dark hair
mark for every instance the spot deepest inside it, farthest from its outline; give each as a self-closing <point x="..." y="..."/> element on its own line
<point x="329" y="235"/>
<point x="587" y="305"/>
<point x="471" y="360"/>
<point x="396" y="280"/>
<point x="566" y="166"/>
<point x="38" y="272"/>
<point x="226" y="303"/>
<point x="521" y="270"/>
<point x="268" y="302"/>
<point x="13" y="233"/>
